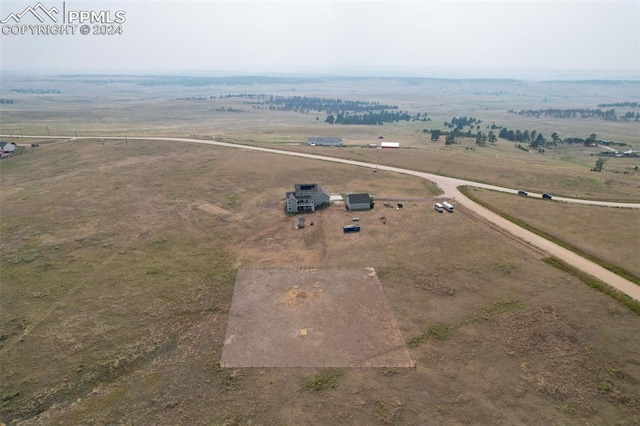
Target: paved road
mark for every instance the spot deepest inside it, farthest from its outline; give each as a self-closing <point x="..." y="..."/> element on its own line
<point x="450" y="188"/>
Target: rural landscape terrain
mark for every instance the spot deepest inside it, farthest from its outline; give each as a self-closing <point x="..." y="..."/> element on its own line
<point x="129" y="264"/>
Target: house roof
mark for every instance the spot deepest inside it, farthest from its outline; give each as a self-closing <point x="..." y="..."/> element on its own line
<point x="359" y="198"/>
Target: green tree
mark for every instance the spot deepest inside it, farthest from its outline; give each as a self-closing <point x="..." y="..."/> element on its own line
<point x="492" y="137"/>
<point x="450" y="140"/>
<point x="435" y="134"/>
<point x="599" y="165"/>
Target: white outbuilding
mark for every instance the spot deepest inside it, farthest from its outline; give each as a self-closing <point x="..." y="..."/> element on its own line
<point x="390" y="145"/>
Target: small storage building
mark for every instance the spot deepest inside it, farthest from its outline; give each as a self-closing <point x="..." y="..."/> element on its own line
<point x="390" y="145"/>
<point x="358" y="201"/>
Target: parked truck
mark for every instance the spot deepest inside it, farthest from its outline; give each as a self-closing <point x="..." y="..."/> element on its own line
<point x="351" y="228"/>
<point x="448" y="207"/>
<point x="439" y="208"/>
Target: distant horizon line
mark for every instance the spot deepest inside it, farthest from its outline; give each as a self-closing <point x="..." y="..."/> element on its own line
<point x="423" y="73"/>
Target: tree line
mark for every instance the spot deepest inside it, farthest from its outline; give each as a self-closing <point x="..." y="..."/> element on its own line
<point x="607" y="115"/>
<point x="531" y="138"/>
<point x="370" y="118"/>
<point x="620" y="104"/>
<point x="328" y="105"/>
<point x="36" y="91"/>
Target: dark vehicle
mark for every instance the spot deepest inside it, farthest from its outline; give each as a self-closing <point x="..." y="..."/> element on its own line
<point x="521" y="192"/>
<point x="546" y="196"/>
<point x="351" y="228"/>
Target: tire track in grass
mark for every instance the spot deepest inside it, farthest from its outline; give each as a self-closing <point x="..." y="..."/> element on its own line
<point x="89" y="277"/>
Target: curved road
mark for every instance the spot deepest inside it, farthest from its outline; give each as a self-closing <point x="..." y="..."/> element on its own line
<point x="450" y="188"/>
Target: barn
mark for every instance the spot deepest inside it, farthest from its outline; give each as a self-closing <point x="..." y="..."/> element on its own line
<point x="358" y="201"/>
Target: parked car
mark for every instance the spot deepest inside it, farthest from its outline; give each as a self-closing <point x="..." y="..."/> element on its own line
<point x="5" y="155"/>
<point x="546" y="196"/>
<point x="521" y="192"/>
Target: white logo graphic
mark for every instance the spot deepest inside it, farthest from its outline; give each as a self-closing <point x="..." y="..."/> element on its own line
<point x="34" y="11"/>
<point x="52" y="22"/>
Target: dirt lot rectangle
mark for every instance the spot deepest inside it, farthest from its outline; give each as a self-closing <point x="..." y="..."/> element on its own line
<point x="312" y="318"/>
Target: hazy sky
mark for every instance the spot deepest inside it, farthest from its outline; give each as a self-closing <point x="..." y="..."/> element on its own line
<point x="361" y="37"/>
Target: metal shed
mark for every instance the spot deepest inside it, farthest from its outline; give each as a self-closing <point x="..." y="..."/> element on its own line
<point x="358" y="201"/>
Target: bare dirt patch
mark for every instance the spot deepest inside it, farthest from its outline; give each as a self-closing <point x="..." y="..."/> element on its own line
<point x="312" y="318"/>
<point x="218" y="211"/>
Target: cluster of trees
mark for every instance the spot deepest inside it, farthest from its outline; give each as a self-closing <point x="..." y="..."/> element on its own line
<point x="370" y="118"/>
<point x="450" y="137"/>
<point x="243" y="95"/>
<point x="525" y="140"/>
<point x="620" y="104"/>
<point x="537" y="140"/>
<point x="591" y="140"/>
<point x="338" y="111"/>
<point x="328" y="105"/>
<point x="230" y="109"/>
<point x="461" y="122"/>
<point x="608" y="115"/>
<point x="37" y="91"/>
<point x="532" y="137"/>
<point x="599" y="165"/>
<point x="481" y="138"/>
<point x="609" y="143"/>
<point x="6" y="101"/>
<point x="630" y="116"/>
<point x="195" y="98"/>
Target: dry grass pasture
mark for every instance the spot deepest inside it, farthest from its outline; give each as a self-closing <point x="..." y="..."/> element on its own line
<point x="118" y="265"/>
<point x="608" y="234"/>
<point x="123" y="107"/>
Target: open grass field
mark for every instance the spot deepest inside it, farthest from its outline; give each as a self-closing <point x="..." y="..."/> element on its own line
<point x="119" y="258"/>
<point x="608" y="234"/>
<point x="118" y="266"/>
<point x="120" y="107"/>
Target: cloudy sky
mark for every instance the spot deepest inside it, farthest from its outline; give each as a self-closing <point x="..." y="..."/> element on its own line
<point x="499" y="38"/>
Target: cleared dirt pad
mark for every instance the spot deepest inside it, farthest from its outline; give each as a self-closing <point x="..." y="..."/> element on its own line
<point x="218" y="211"/>
<point x="312" y="318"/>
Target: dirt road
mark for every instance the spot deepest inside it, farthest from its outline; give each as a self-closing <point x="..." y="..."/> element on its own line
<point x="450" y="188"/>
